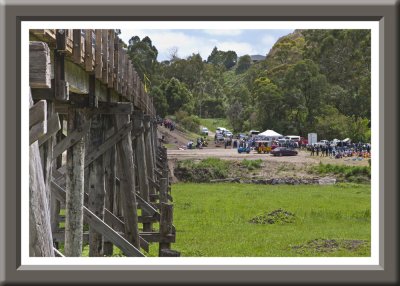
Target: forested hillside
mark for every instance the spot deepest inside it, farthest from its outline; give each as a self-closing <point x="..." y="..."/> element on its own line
<point x="310" y="81"/>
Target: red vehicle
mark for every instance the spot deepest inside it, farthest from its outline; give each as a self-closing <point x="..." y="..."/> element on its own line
<point x="303" y="141"/>
<point x="283" y="151"/>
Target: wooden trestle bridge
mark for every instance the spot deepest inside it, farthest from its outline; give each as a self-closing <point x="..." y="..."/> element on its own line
<point x="95" y="165"/>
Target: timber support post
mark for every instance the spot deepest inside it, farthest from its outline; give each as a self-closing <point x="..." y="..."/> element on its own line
<point x="140" y="156"/>
<point x="75" y="185"/>
<point x="127" y="182"/>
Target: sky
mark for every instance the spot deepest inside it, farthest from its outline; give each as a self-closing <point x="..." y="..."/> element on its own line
<point x="189" y="41"/>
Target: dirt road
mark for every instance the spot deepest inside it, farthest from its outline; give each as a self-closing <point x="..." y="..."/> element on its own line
<point x="232" y="154"/>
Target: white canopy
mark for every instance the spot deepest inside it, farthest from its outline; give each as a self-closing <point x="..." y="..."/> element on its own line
<point x="270" y="133"/>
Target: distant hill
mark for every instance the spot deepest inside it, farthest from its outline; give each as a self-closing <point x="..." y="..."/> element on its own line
<point x="257" y="58"/>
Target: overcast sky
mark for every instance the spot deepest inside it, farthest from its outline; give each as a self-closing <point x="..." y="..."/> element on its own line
<point x="189" y="41"/>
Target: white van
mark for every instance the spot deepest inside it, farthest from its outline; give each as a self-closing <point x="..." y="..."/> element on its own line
<point x="293" y="138"/>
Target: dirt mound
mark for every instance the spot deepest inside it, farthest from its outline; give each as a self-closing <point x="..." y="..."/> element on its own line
<point x="329" y="245"/>
<point x="278" y="216"/>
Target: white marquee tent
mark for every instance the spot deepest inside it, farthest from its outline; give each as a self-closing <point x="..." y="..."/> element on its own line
<point x="271" y="134"/>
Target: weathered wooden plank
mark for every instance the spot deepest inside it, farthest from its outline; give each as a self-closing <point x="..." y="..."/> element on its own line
<point x="37" y="131"/>
<point x="148" y="144"/>
<point x="59" y="236"/>
<point x="93" y="96"/>
<point x="115" y="108"/>
<point x="127" y="181"/>
<point x="74" y="183"/>
<point x="39" y="65"/>
<point x="37" y="113"/>
<point x="150" y="210"/>
<point x="53" y="126"/>
<point x="73" y="138"/>
<point x="76" y="48"/>
<point x="77" y="78"/>
<point x="88" y="50"/>
<point x="57" y="253"/>
<point x="111" y="36"/>
<point x="104" y="56"/>
<point x="96" y="186"/>
<point x="114" y="237"/>
<point x="120" y="69"/>
<point x="110" y="142"/>
<point x="116" y="80"/>
<point x="153" y="184"/>
<point x="110" y="162"/>
<point x="165" y="225"/>
<point x="40" y="238"/>
<point x="157" y="237"/>
<point x="140" y="157"/>
<point x="61" y="86"/>
<point x="98" y="54"/>
<point x="169" y="253"/>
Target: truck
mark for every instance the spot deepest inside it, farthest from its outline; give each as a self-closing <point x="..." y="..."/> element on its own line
<point x="312" y="138"/>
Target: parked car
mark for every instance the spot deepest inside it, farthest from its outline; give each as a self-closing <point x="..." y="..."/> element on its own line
<point x="219" y="139"/>
<point x="204" y="131"/>
<point x="283" y="151"/>
<point x="228" y="133"/>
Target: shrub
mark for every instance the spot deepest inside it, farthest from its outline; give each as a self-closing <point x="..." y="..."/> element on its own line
<point x="203" y="171"/>
<point x="357" y="174"/>
<point x="252" y="164"/>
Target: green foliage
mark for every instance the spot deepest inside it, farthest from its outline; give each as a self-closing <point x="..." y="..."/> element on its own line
<point x="143" y="55"/>
<point x="251" y="164"/>
<point x="160" y="101"/>
<point x="189" y="122"/>
<point x="311" y="81"/>
<point x="202" y="171"/>
<point x="177" y="96"/>
<point x="357" y="174"/>
<point x="227" y="59"/>
<point x="244" y="64"/>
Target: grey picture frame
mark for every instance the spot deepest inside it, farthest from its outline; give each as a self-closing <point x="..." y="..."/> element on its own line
<point x="13" y="12"/>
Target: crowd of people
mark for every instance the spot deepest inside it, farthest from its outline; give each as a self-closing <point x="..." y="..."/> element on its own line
<point x="168" y="124"/>
<point x="360" y="150"/>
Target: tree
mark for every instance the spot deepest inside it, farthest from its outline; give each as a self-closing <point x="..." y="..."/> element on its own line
<point x="143" y="55"/>
<point x="177" y="96"/>
<point x="269" y="101"/>
<point x="227" y="59"/>
<point x="308" y="88"/>
<point x="160" y="101"/>
<point x="235" y="114"/>
<point x="243" y="64"/>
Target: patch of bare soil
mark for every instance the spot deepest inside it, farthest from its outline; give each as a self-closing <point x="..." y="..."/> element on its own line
<point x="329" y="245"/>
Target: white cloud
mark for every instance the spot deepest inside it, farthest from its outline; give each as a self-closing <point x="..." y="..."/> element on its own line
<point x="241" y="48"/>
<point x="223" y="32"/>
<point x="166" y="40"/>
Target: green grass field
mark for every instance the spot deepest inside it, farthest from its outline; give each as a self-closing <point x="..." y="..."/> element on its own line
<point x="213" y="220"/>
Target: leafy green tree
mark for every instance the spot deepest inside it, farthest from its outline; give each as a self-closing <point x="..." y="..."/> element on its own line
<point x="227" y="59"/>
<point x="307" y="88"/>
<point x="235" y="114"/>
<point x="143" y="55"/>
<point x="244" y="64"/>
<point x="177" y="96"/>
<point x="160" y="101"/>
<point x="269" y="101"/>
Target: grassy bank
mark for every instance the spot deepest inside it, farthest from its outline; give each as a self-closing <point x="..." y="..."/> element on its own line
<point x="222" y="220"/>
<point x="213" y="123"/>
